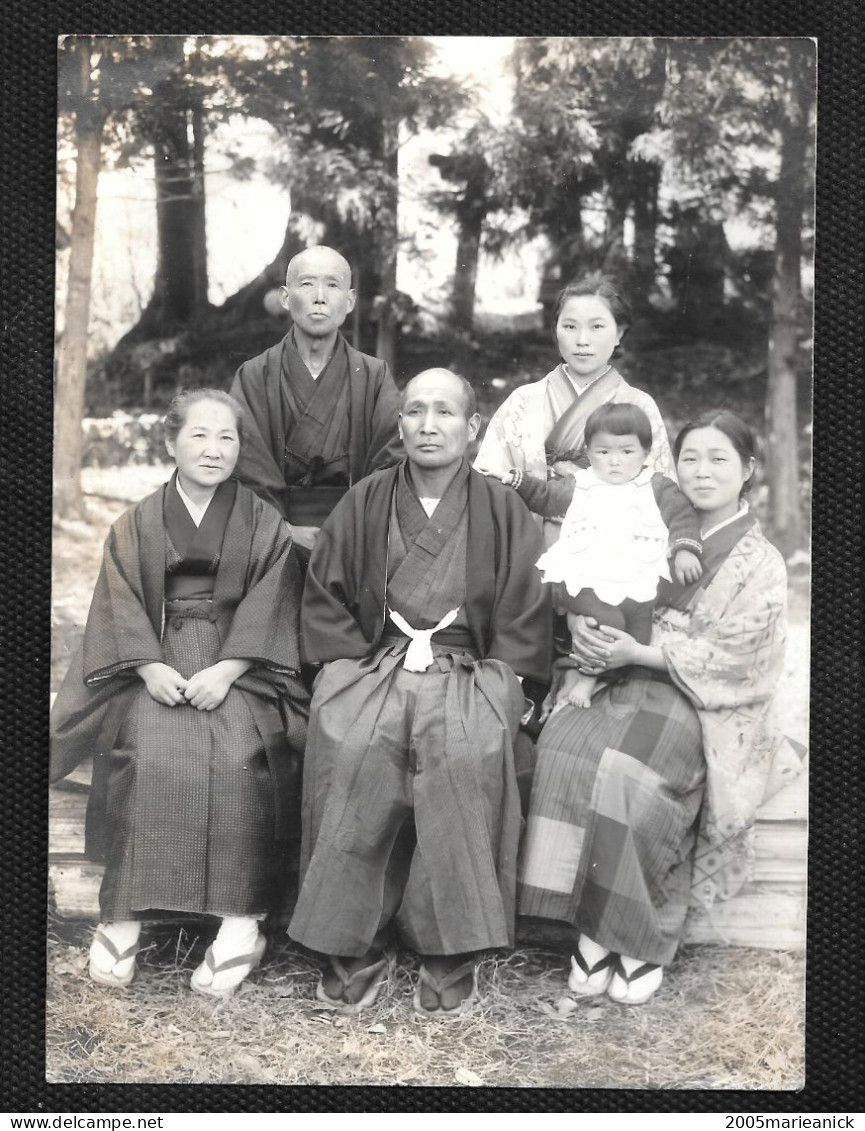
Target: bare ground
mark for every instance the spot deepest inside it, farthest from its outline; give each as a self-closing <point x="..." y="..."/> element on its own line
<point x="724" y="1018"/>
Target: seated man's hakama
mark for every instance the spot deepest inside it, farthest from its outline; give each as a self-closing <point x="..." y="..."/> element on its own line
<point x="411" y="810"/>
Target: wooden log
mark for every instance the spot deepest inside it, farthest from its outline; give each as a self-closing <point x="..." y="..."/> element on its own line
<point x="73" y="887"/>
<point x="765" y="916"/>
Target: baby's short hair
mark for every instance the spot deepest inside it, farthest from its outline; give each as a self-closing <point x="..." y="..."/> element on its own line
<point x="620" y="420"/>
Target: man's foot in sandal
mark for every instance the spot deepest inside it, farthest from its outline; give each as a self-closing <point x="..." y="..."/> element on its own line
<point x="633" y="981"/>
<point x="234" y="954"/>
<point x="447" y="985"/>
<point x="353" y="984"/>
<point x="113" y="951"/>
<point x="591" y="968"/>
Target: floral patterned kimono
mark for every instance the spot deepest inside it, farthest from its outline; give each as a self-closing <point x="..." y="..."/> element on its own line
<point x="656" y="786"/>
<point x="538" y="422"/>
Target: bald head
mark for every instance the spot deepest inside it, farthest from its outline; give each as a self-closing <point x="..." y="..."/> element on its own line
<point x="437" y="421"/>
<point x="448" y="378"/>
<point x="318" y="295"/>
<point x="319" y="260"/>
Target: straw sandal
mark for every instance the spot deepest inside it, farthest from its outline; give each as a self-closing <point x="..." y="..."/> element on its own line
<point x="439" y="985"/>
<point x="373" y="977"/>
<point x="589" y="981"/>
<point x="621" y="984"/>
<point x="205" y="975"/>
<point x="111" y="977"/>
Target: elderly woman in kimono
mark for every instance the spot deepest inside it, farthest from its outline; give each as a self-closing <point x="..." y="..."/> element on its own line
<point x="186" y="693"/>
<point x="654" y="788"/>
<point x="543" y="423"/>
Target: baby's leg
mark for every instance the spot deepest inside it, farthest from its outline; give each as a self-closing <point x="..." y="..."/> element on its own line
<point x="638" y="619"/>
<point x="575" y="687"/>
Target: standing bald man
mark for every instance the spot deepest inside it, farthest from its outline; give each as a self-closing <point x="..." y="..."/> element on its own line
<point x="423" y="602"/>
<point x="320" y="415"/>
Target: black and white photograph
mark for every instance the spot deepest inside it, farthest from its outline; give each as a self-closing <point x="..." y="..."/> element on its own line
<point x="363" y="346"/>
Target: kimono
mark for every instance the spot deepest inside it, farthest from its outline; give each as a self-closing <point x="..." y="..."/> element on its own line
<point x="411" y="810"/>
<point x="189" y="808"/>
<point x="539" y="423"/>
<point x="306" y="440"/>
<point x="654" y="789"/>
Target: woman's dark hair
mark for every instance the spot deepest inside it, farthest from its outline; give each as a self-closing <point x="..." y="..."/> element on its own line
<point x="178" y="410"/>
<point x="733" y="427"/>
<point x="620" y="420"/>
<point x="601" y="286"/>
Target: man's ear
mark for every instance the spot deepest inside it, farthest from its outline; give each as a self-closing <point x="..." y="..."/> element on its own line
<point x="283" y="298"/>
<point x="352" y="299"/>
<point x="474" y="425"/>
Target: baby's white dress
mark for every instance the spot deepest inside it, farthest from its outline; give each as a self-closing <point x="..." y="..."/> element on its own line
<point x="613" y="540"/>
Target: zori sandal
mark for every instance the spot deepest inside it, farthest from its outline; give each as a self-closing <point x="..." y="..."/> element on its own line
<point x="220" y="980"/>
<point x="368" y="979"/>
<point x="622" y="988"/>
<point x="586" y="980"/>
<point x="122" y="969"/>
<point x="446" y="982"/>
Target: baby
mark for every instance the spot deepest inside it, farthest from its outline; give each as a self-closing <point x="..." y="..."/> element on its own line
<point x="621" y="522"/>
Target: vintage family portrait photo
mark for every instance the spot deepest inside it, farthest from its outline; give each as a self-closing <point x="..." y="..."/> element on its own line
<point x="431" y="557"/>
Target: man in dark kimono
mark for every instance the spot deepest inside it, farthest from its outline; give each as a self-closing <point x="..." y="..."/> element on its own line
<point x="320" y="415"/>
<point x="423" y="602"/>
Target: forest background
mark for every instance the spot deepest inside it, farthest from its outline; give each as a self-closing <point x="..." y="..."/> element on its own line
<point x="465" y="180"/>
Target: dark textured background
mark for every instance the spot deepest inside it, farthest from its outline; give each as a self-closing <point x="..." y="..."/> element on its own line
<point x="28" y="32"/>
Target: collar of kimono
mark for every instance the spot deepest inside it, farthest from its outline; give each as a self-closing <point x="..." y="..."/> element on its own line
<point x="198" y="545"/>
<point x="569" y="430"/>
<point x="231" y="577"/>
<point x="430" y="533"/>
<point x="716" y="548"/>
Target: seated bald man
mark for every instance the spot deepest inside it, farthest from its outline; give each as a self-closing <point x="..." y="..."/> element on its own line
<point x="423" y="602"/>
<point x="320" y="415"/>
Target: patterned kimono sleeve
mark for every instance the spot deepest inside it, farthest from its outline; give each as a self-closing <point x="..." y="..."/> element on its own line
<point x="732" y="652"/>
<point x="500" y="449"/>
<point x="660" y="457"/>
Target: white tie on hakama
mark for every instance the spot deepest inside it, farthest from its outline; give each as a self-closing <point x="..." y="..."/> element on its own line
<point x="419" y="655"/>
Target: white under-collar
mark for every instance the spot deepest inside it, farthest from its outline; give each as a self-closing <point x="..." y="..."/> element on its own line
<point x="720" y="526"/>
<point x="428" y="504"/>
<point x="196" y="511"/>
<point x="582" y="388"/>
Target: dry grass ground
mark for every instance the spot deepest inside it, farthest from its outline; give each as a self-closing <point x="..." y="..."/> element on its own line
<point x="724" y="1018"/>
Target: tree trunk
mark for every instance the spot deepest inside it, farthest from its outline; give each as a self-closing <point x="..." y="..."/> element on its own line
<point x="786" y="290"/>
<point x="180" y="227"/>
<point x="645" y="181"/>
<point x="72" y="352"/>
<point x="387" y="326"/>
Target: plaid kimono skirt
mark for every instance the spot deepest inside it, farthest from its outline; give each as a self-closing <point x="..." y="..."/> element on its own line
<point x="190" y="806"/>
<point x="613" y="815"/>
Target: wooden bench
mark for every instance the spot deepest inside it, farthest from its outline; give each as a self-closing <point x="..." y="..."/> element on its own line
<point x="768" y="913"/>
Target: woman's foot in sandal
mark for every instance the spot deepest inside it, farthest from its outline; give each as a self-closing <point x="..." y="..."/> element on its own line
<point x="234" y="954"/>
<point x="353" y="984"/>
<point x="447" y="985"/>
<point x="633" y="981"/>
<point x="113" y="951"/>
<point x="591" y="968"/>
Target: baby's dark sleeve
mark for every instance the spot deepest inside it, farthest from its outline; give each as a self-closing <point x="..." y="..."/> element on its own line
<point x="549" y="498"/>
<point x="680" y="517"/>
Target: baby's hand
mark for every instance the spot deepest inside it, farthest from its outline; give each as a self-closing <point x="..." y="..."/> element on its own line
<point x="687" y="567"/>
<point x="562" y="468"/>
<point x="512" y="478"/>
